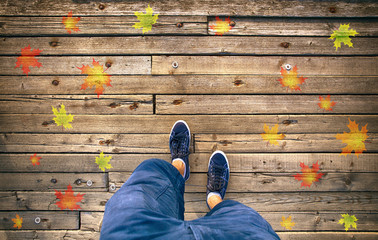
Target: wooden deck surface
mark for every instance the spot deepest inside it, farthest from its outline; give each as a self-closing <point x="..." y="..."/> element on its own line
<point x="225" y="87"/>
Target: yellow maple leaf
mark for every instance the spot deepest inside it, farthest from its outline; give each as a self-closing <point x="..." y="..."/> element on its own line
<point x="271" y="135"/>
<point x="342" y="36"/>
<point x="355" y="139"/>
<point x="348" y="221"/>
<point x="62" y="118"/>
<point x="290" y="79"/>
<point x="17" y="222"/>
<point x="103" y="162"/>
<point x="70" y="23"/>
<point x="145" y="20"/>
<point x="326" y="103"/>
<point x="221" y="27"/>
<point x="287" y="223"/>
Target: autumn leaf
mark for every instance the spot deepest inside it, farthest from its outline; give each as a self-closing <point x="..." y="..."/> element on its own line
<point x="96" y="77"/>
<point x="68" y="200"/>
<point x="34" y="159"/>
<point x="17" y="222"/>
<point x="342" y="35"/>
<point x="221" y="27"/>
<point x="290" y="80"/>
<point x="62" y="118"/>
<point x="308" y="175"/>
<point x="70" y="23"/>
<point x="326" y="103"/>
<point x="27" y="59"/>
<point x="287" y="223"/>
<point x="348" y="221"/>
<point x="271" y="135"/>
<point x="354" y="139"/>
<point x="103" y="162"/>
<point x="145" y="20"/>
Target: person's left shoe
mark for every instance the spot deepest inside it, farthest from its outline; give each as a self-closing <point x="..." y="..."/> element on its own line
<point x="179" y="142"/>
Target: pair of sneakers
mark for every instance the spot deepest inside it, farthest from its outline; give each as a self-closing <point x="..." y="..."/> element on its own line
<point x="218" y="172"/>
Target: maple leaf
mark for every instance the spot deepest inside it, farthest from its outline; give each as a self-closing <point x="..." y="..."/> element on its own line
<point x="27" y="59"/>
<point x="342" y="36"/>
<point x="96" y="77"/>
<point x="326" y="103"/>
<point x="103" y="162"/>
<point x="34" y="159"/>
<point x="70" y="23"/>
<point x="145" y="20"/>
<point x="62" y="118"/>
<point x="68" y="200"/>
<point x="271" y="135"/>
<point x="289" y="79"/>
<point x="355" y="139"/>
<point x="17" y="222"/>
<point x="221" y="27"/>
<point x="348" y="221"/>
<point x="287" y="223"/>
<point x="309" y="175"/>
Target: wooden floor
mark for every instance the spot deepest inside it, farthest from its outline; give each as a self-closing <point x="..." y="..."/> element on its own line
<point x="225" y="87"/>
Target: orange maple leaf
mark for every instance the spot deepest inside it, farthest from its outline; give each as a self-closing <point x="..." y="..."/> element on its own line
<point x="271" y="135"/>
<point x="289" y="79"/>
<point x="326" y="103"/>
<point x="96" y="77"/>
<point x="70" y="23"/>
<point x="355" y="139"/>
<point x="17" y="222"/>
<point x="34" y="159"/>
<point x="27" y="59"/>
<point x="287" y="223"/>
<point x="220" y="27"/>
<point x="68" y="200"/>
<point x="309" y="175"/>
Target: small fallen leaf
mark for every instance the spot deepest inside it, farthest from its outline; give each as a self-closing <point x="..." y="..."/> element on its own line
<point x="34" y="159"/>
<point x="145" y="20"/>
<point x="348" y="221"/>
<point x="271" y="135"/>
<point x="62" y="118"/>
<point x="290" y="79"/>
<point x="17" y="222"/>
<point x="354" y="139"/>
<point x="221" y="27"/>
<point x="68" y="200"/>
<point x="103" y="162"/>
<point x="27" y="59"/>
<point x="70" y="23"/>
<point x="342" y="35"/>
<point x="287" y="223"/>
<point x="308" y="175"/>
<point x="326" y="103"/>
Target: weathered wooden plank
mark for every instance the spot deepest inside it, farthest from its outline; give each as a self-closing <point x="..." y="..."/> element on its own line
<point x="48" y="235"/>
<point x="245" y="162"/>
<point x="297" y="27"/>
<point x="327" y="235"/>
<point x="291" y="143"/>
<point x="78" y="104"/>
<point x="307" y="66"/>
<point x="91" y="221"/>
<point x="274" y="182"/>
<point x="69" y="65"/>
<point x="42" y="123"/>
<point x="52" y="181"/>
<point x="295" y="8"/>
<point x="196" y="202"/>
<point x="189" y="84"/>
<point x="101" y="25"/>
<point x="49" y="220"/>
<point x="263" y="104"/>
<point x="188" y="45"/>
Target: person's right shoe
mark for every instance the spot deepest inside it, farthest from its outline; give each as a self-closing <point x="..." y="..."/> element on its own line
<point x="218" y="174"/>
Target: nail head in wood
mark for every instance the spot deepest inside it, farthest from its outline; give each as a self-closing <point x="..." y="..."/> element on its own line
<point x="89" y="183"/>
<point x="332" y="9"/>
<point x="37" y="220"/>
<point x="287" y="67"/>
<point x="55" y="82"/>
<point x="175" y="64"/>
<point x="179" y="25"/>
<point x="53" y="180"/>
<point x="112" y="187"/>
<point x="101" y="6"/>
<point x="232" y="24"/>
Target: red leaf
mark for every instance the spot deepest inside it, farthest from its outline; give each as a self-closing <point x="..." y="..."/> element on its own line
<point x="68" y="200"/>
<point x="309" y="175"/>
<point x="27" y="59"/>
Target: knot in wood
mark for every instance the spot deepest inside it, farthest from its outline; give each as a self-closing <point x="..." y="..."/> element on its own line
<point x="238" y="83"/>
<point x="134" y="106"/>
<point x="285" y="44"/>
<point x="332" y="9"/>
<point x="53" y="43"/>
<point x="177" y="102"/>
<point x="101" y="6"/>
<point x="108" y="64"/>
<point x="55" y="82"/>
<point x="348" y="181"/>
<point x="179" y="25"/>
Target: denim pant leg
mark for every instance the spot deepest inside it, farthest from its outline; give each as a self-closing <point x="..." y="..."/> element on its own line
<point x="232" y="220"/>
<point x="150" y="205"/>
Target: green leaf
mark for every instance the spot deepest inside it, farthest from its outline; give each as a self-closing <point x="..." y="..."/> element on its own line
<point x="62" y="118"/>
<point x="103" y="162"/>
<point x="145" y="20"/>
<point x="342" y="36"/>
<point x="348" y="221"/>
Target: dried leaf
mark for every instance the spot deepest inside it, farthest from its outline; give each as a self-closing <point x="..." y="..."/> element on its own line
<point x="308" y="175"/>
<point x="342" y="36"/>
<point x="103" y="162"/>
<point x="287" y="223"/>
<point x="34" y="159"/>
<point x="326" y="103"/>
<point x="221" y="27"/>
<point x="348" y="221"/>
<point x="62" y="118"/>
<point x="145" y="20"/>
<point x="271" y="135"/>
<point x="290" y="80"/>
<point x="17" y="222"/>
<point x="27" y="59"/>
<point x="68" y="200"/>
<point x="354" y="139"/>
<point x="70" y="23"/>
<point x="96" y="77"/>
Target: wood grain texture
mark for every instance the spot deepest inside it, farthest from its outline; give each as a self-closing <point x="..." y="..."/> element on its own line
<point x="78" y="104"/>
<point x="190" y="84"/>
<point x="48" y="235"/>
<point x="211" y="124"/>
<point x="67" y="65"/>
<point x="263" y="104"/>
<point x="307" y="66"/>
<point x="295" y="8"/>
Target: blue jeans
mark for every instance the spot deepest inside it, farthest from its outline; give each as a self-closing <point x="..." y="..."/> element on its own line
<point x="150" y="205"/>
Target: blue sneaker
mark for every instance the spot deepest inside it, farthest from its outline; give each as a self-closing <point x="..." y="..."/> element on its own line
<point x="179" y="142"/>
<point x="218" y="175"/>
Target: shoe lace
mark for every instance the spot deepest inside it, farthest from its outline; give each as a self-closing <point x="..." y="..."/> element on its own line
<point x="217" y="179"/>
<point x="179" y="147"/>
